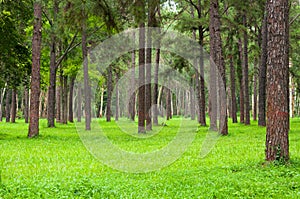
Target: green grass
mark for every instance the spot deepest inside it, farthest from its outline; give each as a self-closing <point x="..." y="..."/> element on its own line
<point x="58" y="165"/>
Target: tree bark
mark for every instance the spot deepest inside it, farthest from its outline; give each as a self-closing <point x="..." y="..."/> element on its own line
<point x="117" y="98"/>
<point x="79" y="103"/>
<point x="13" y="105"/>
<point x="246" y="79"/>
<point x="8" y="105"/>
<point x="241" y="82"/>
<point x="26" y="104"/>
<point x="254" y="96"/>
<point x="277" y="141"/>
<point x="35" y="72"/>
<point x="132" y="97"/>
<point x="71" y="87"/>
<point x="109" y="93"/>
<point x="232" y="89"/>
<point x="87" y="93"/>
<point x="262" y="74"/>
<point x="58" y="104"/>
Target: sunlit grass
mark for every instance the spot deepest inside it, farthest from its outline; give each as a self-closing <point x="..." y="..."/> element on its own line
<point x="58" y="165"/>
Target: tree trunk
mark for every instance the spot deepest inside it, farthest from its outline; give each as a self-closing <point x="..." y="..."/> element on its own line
<point x="246" y="80"/>
<point x="277" y="141"/>
<point x="213" y="70"/>
<point x="232" y="89"/>
<point x="117" y="98"/>
<point x="1" y="102"/>
<point x="58" y="104"/>
<point x="35" y="72"/>
<point x="192" y="101"/>
<point x="13" y="105"/>
<point x="87" y="93"/>
<point x="101" y="103"/>
<point x="79" y="103"/>
<point x="262" y="74"/>
<point x="131" y="107"/>
<point x="26" y="104"/>
<point x="142" y="89"/>
<point x="168" y="103"/>
<point x="71" y="115"/>
<point x="254" y="96"/>
<point x="109" y="93"/>
<point x="241" y="82"/>
<point x="8" y="105"/>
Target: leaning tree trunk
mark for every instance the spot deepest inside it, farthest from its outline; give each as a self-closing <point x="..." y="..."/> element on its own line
<point x="246" y="79"/>
<point x="262" y="74"/>
<point x="13" y="105"/>
<point x="277" y="141"/>
<point x="87" y="93"/>
<point x="35" y="71"/>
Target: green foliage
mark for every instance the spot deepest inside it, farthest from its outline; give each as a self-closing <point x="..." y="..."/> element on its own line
<point x="57" y="165"/>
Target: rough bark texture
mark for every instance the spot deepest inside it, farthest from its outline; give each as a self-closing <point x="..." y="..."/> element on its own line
<point x="71" y="87"/>
<point x="109" y="93"/>
<point x="262" y="74"/>
<point x="87" y="93"/>
<point x="277" y="142"/>
<point x="26" y="104"/>
<point x="168" y="103"/>
<point x="13" y="105"/>
<point x="58" y="103"/>
<point x="246" y="78"/>
<point x="35" y="71"/>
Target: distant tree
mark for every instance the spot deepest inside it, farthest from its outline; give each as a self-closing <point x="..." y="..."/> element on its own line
<point x="277" y="140"/>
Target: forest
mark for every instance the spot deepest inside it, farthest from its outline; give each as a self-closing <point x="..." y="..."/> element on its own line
<point x="149" y="98"/>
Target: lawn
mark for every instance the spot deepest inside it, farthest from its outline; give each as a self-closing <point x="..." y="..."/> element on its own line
<point x="58" y="165"/>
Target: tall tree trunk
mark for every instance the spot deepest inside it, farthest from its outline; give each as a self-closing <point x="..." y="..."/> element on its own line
<point x="58" y="104"/>
<point x="241" y="81"/>
<point x="1" y="102"/>
<point x="142" y="89"/>
<point x="262" y="74"/>
<point x="26" y="104"/>
<point x="168" y="103"/>
<point x="246" y="79"/>
<point x="13" y="105"/>
<point x="53" y="67"/>
<point x="87" y="93"/>
<point x="232" y="89"/>
<point x="117" y="98"/>
<point x="254" y="95"/>
<point x="192" y="101"/>
<point x="101" y="103"/>
<point x="35" y="72"/>
<point x="79" y="103"/>
<point x="71" y="87"/>
<point x="213" y="78"/>
<point x="155" y="88"/>
<point x="109" y="93"/>
<point x="132" y="97"/>
<point x="277" y="140"/>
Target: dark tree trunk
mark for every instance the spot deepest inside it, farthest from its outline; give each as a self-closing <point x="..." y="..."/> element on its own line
<point x="87" y="93"/>
<point x="58" y="104"/>
<point x="132" y="97"/>
<point x="213" y="78"/>
<point x="35" y="72"/>
<point x="262" y="75"/>
<point x="109" y="93"/>
<point x="142" y="89"/>
<point x="192" y="101"/>
<point x="13" y="105"/>
<point x="64" y="100"/>
<point x="255" y="96"/>
<point x="71" y="114"/>
<point x="8" y="105"/>
<point x="79" y="103"/>
<point x="117" y="98"/>
<point x="232" y="89"/>
<point x="277" y="141"/>
<point x="168" y="103"/>
<point x="246" y="79"/>
<point x="155" y="88"/>
<point x="241" y="82"/>
<point x="53" y="67"/>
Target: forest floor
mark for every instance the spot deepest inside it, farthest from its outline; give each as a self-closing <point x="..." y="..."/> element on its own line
<point x="58" y="165"/>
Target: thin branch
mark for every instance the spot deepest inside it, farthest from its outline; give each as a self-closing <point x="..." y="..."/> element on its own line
<point x="48" y="18"/>
<point x="294" y="19"/>
<point x="66" y="51"/>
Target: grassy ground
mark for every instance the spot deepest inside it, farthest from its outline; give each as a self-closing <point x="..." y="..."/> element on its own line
<point x="57" y="165"/>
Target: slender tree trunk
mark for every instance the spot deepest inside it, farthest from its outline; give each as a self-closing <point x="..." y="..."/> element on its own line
<point x="8" y="105"/>
<point x="155" y="88"/>
<point x="241" y="82"/>
<point x="277" y="140"/>
<point x="213" y="70"/>
<point x="58" y="104"/>
<point x="142" y="89"/>
<point x="132" y="97"/>
<point x="168" y="103"/>
<point x="87" y="93"/>
<point x="13" y="105"/>
<point x="35" y="72"/>
<point x="26" y="104"/>
<point x="232" y="89"/>
<point x="1" y="102"/>
<point x="117" y="98"/>
<point x="71" y="114"/>
<point x="79" y="103"/>
<point x="109" y="93"/>
<point x="101" y="103"/>
<point x="192" y="101"/>
<point x="262" y="74"/>
<point x="254" y="96"/>
<point x="246" y="79"/>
